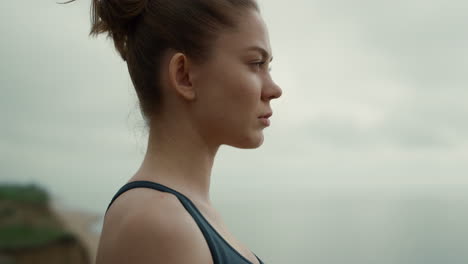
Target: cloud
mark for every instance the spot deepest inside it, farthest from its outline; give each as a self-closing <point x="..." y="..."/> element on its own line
<point x="375" y="72"/>
<point x="373" y="92"/>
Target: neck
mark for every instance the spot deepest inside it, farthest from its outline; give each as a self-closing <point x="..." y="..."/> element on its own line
<point x="178" y="157"/>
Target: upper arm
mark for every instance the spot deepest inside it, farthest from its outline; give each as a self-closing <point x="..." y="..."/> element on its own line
<point x="163" y="235"/>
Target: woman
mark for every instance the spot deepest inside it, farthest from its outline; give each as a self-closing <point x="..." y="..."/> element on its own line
<point x="200" y="70"/>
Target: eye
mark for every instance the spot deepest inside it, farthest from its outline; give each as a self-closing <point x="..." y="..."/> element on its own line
<point x="260" y="64"/>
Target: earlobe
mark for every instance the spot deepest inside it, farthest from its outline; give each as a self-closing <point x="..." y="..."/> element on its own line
<point x="179" y="76"/>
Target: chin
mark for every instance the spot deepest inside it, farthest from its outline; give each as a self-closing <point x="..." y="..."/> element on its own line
<point x="249" y="142"/>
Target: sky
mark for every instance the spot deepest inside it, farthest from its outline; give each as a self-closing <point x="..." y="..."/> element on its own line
<point x="374" y="102"/>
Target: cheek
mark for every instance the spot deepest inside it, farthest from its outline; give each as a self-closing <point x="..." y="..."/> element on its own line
<point x="231" y="94"/>
<point x="243" y="89"/>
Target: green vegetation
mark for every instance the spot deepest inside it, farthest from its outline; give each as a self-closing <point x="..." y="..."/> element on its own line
<point x="23" y="236"/>
<point x="27" y="194"/>
<point x="25" y="218"/>
<point x="31" y="230"/>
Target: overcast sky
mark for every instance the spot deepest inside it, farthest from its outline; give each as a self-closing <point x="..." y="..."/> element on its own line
<point x="374" y="98"/>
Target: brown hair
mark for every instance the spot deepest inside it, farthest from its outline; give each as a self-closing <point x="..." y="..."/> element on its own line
<point x="142" y="30"/>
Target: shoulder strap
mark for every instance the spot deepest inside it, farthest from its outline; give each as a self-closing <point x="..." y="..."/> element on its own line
<point x="150" y="185"/>
<point x="186" y="202"/>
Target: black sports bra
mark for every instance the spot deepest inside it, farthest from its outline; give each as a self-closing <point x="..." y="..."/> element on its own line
<point x="221" y="251"/>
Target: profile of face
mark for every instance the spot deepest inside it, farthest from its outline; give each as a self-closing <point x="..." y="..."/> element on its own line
<point x="235" y="87"/>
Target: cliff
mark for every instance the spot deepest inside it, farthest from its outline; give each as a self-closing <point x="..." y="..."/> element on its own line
<point x="30" y="232"/>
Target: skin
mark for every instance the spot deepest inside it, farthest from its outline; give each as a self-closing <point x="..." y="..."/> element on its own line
<point x="204" y="106"/>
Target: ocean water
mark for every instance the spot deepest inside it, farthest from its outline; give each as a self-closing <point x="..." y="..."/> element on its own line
<point x="337" y="228"/>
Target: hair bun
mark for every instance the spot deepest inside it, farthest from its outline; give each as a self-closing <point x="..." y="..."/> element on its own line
<point x="117" y="17"/>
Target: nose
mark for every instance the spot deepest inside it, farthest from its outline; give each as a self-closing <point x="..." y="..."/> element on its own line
<point x="272" y="91"/>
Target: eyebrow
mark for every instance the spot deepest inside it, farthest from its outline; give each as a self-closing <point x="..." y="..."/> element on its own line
<point x="262" y="51"/>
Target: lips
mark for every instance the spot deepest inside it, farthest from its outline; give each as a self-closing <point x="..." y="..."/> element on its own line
<point x="267" y="115"/>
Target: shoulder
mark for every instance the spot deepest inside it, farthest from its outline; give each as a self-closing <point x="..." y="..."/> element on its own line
<point x="149" y="226"/>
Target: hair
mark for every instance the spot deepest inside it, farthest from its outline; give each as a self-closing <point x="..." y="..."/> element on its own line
<point x="142" y="30"/>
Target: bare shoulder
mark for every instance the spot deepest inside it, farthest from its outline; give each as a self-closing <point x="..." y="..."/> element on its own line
<point x="148" y="226"/>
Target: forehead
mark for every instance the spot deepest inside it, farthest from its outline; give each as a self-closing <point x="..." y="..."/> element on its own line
<point x="251" y="31"/>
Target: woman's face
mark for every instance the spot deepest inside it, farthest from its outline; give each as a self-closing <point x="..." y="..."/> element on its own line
<point x="234" y="88"/>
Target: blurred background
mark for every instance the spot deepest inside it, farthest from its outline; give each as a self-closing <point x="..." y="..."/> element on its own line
<point x="366" y="159"/>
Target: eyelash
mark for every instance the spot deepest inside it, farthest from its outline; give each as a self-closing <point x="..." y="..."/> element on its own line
<point x="260" y="63"/>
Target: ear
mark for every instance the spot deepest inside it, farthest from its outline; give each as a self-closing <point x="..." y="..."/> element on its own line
<point x="179" y="77"/>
